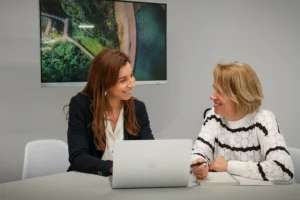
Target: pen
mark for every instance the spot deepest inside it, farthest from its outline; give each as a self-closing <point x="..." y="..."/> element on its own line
<point x="197" y="164"/>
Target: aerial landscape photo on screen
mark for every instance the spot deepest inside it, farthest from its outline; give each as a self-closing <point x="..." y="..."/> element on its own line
<point x="73" y="32"/>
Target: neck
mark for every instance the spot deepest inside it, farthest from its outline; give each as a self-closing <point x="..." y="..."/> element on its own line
<point x="115" y="104"/>
<point x="236" y="116"/>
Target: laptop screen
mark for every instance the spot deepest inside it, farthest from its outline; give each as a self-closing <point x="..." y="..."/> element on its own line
<point x="151" y="163"/>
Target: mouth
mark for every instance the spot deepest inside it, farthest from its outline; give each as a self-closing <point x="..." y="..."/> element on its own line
<point x="127" y="92"/>
<point x="217" y="104"/>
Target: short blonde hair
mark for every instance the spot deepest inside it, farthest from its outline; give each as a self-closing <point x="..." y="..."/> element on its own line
<point x="240" y="83"/>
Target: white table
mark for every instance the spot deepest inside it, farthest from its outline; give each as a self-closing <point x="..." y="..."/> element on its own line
<point x="74" y="185"/>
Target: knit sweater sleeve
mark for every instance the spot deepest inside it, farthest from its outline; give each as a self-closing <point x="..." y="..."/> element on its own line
<point x="205" y="142"/>
<point x="276" y="164"/>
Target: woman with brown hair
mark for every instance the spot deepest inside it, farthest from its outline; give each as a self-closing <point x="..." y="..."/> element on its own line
<point x="103" y="112"/>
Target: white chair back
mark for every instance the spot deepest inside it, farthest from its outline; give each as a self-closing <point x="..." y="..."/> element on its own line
<point x="45" y="157"/>
<point x="295" y="154"/>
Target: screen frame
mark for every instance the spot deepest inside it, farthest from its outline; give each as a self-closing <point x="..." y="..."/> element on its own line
<point x="81" y="84"/>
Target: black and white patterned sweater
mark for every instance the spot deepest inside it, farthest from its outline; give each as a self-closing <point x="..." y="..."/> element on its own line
<point x="254" y="146"/>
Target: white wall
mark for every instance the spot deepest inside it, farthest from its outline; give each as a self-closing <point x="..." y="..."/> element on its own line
<point x="263" y="33"/>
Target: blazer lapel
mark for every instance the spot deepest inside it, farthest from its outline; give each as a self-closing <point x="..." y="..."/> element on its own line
<point x="126" y="134"/>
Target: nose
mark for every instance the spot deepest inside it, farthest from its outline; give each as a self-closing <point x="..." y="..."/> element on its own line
<point x="131" y="83"/>
<point x="213" y="95"/>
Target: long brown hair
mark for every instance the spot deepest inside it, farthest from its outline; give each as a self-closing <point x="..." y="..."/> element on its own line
<point x="104" y="74"/>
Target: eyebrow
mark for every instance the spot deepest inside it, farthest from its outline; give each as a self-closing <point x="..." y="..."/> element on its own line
<point x="125" y="76"/>
<point x="122" y="77"/>
<point x="217" y="88"/>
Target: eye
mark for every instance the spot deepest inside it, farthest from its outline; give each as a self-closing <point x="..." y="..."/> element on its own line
<point x="122" y="80"/>
<point x="216" y="89"/>
<point x="220" y="91"/>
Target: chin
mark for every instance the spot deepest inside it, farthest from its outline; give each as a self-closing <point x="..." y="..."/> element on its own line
<point x="126" y="98"/>
<point x="218" y="112"/>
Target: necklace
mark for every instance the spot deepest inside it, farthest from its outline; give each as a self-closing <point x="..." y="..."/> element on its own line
<point x="112" y="118"/>
<point x="113" y="121"/>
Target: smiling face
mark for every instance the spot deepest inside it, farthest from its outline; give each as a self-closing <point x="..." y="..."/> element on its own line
<point x="237" y="90"/>
<point x="126" y="82"/>
<point x="223" y="105"/>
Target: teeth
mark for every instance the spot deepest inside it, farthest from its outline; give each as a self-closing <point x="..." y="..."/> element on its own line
<point x="128" y="92"/>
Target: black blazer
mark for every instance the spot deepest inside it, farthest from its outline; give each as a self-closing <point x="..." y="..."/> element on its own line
<point x="83" y="155"/>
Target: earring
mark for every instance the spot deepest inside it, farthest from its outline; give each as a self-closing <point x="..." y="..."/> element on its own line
<point x="105" y="93"/>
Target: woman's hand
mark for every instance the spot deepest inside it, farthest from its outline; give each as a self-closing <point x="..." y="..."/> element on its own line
<point x="218" y="165"/>
<point x="200" y="171"/>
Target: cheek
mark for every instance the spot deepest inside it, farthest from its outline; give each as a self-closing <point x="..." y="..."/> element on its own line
<point x="121" y="88"/>
<point x="231" y="106"/>
<point x="116" y="89"/>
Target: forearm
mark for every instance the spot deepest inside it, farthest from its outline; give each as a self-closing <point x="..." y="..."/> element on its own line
<point x="86" y="163"/>
<point x="266" y="170"/>
<point x="195" y="155"/>
<point x="203" y="148"/>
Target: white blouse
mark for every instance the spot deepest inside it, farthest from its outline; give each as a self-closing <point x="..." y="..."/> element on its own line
<point x="112" y="136"/>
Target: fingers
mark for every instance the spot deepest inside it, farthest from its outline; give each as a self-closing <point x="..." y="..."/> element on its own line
<point x="201" y="174"/>
<point x="215" y="168"/>
<point x="212" y="167"/>
<point x="200" y="171"/>
<point x="219" y="164"/>
<point x="220" y="158"/>
<point x="202" y="167"/>
<point x="198" y="160"/>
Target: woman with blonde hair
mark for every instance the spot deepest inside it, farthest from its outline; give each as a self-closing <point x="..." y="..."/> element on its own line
<point x="103" y="112"/>
<point x="237" y="135"/>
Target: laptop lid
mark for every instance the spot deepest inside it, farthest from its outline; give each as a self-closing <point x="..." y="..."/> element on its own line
<point x="151" y="163"/>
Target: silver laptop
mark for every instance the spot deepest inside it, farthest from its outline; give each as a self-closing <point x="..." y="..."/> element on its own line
<point x="151" y="163"/>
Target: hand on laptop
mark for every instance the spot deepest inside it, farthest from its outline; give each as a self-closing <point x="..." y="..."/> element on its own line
<point x="200" y="170"/>
<point x="219" y="164"/>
